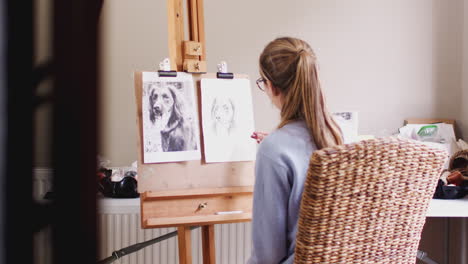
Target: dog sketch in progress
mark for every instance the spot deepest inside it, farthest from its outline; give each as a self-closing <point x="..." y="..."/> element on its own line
<point x="223" y="112"/>
<point x="168" y="111"/>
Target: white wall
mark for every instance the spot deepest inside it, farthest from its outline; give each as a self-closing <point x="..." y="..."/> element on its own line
<point x="464" y="106"/>
<point x="447" y="59"/>
<point x="463" y="224"/>
<point x="134" y="37"/>
<point x="386" y="59"/>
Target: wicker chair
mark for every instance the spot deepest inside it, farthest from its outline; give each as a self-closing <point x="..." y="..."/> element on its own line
<point x="366" y="202"/>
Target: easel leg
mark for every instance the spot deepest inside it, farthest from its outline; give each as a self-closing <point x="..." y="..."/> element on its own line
<point x="208" y="243"/>
<point x="185" y="247"/>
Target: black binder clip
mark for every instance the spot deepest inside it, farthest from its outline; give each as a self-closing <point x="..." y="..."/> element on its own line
<point x="165" y="69"/>
<point x="167" y="73"/>
<point x="223" y="73"/>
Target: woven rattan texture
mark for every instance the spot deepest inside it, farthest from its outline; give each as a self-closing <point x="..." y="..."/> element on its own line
<point x="366" y="202"/>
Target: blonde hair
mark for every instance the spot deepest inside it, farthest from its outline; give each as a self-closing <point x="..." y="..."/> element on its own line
<point x="290" y="65"/>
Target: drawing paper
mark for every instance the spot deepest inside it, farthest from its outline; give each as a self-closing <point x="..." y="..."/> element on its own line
<point x="170" y="123"/>
<point x="227" y="118"/>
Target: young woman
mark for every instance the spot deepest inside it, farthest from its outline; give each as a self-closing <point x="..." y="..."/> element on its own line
<point x="289" y="77"/>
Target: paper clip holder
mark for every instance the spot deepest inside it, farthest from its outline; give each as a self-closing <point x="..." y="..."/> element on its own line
<point x="167" y="73"/>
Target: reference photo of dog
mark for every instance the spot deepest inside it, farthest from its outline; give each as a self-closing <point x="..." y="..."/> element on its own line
<point x="168" y="110"/>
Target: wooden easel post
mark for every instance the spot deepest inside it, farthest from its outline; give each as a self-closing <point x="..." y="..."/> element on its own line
<point x="208" y="241"/>
<point x="175" y="33"/>
<point x="190" y="56"/>
<point x="185" y="247"/>
<point x="185" y="244"/>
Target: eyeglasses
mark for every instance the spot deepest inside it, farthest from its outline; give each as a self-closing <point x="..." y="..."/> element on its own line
<point x="261" y="84"/>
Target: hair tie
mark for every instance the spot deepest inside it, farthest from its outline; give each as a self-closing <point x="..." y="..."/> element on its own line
<point x="299" y="53"/>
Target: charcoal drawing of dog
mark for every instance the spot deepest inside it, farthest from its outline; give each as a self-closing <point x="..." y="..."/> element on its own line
<point x="168" y="110"/>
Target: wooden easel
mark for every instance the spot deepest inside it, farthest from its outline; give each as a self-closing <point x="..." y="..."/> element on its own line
<point x="189" y="55"/>
<point x="221" y="188"/>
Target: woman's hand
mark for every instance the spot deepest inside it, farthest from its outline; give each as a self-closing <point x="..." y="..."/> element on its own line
<point x="258" y="136"/>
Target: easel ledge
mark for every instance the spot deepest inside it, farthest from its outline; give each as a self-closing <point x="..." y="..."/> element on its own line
<point x="200" y="192"/>
<point x="190" y="207"/>
<point x="198" y="220"/>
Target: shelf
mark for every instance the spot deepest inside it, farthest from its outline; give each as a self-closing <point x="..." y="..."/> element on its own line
<point x="198" y="220"/>
<point x="437" y="208"/>
<point x="196" y="193"/>
<point x="448" y="208"/>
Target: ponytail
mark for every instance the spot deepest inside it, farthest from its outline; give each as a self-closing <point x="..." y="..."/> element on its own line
<point x="290" y="65"/>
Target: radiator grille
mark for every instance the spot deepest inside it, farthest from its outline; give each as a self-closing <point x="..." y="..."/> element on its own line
<point x="117" y="231"/>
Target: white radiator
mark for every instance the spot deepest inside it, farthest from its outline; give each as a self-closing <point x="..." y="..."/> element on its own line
<point x="119" y="227"/>
<point x="232" y="241"/>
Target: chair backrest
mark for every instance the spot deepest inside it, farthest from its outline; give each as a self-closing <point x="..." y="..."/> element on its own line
<point x="366" y="202"/>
